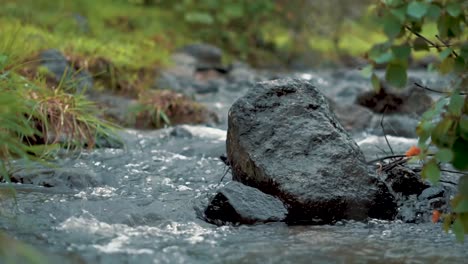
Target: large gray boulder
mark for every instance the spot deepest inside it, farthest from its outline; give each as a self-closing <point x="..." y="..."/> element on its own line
<point x="284" y="140"/>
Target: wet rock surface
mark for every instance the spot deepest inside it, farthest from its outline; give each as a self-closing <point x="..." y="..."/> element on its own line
<point x="284" y="140"/>
<point x="236" y="203"/>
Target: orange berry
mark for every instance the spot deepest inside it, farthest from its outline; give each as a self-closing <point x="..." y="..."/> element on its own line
<point x="435" y="216"/>
<point x="413" y="151"/>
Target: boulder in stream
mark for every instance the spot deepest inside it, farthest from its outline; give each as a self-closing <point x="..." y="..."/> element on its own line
<point x="284" y="140"/>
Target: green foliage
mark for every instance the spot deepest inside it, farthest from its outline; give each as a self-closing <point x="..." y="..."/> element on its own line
<point x="233" y="25"/>
<point x="445" y="126"/>
<point x="34" y="117"/>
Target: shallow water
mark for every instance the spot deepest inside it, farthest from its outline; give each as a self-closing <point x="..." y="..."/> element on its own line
<point x="147" y="211"/>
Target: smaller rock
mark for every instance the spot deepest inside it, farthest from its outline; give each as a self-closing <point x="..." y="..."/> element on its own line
<point x="399" y="125"/>
<point x="240" y="204"/>
<point x="181" y="132"/>
<point x="108" y="141"/>
<point x="405" y="181"/>
<point x="58" y="65"/>
<point x="206" y="55"/>
<point x="431" y="192"/>
<point x="410" y="101"/>
<point x="74" y="178"/>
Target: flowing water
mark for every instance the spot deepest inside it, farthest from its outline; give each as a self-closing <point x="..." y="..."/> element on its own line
<point x="147" y="210"/>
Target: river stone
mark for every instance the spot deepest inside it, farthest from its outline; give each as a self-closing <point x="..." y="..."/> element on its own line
<point x="74" y="178"/>
<point x="399" y="125"/>
<point x="405" y="181"/>
<point x="55" y="62"/>
<point x="241" y="204"/>
<point x="207" y="56"/>
<point x="413" y="100"/>
<point x="284" y="140"/>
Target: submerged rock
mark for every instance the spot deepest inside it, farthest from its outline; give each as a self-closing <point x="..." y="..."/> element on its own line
<point x="284" y="140"/>
<point x="238" y="203"/>
<point x="207" y="56"/>
<point x="73" y="178"/>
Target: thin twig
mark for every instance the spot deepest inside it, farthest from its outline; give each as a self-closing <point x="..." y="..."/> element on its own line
<point x="451" y="171"/>
<point x="385" y="158"/>
<point x="446" y="44"/>
<point x="435" y="91"/>
<point x="392" y="165"/>
<point x="422" y="37"/>
<point x="383" y="129"/>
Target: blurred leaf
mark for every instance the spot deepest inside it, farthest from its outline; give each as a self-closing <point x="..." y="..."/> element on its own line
<point x="440" y="134"/>
<point x="443" y="26"/>
<point x="367" y="71"/>
<point x="375" y="82"/>
<point x="464" y="51"/>
<point x="431" y="172"/>
<point x="391" y="26"/>
<point x="420" y="44"/>
<point x="402" y="51"/>
<point x="417" y="9"/>
<point x="393" y="3"/>
<point x="454" y="9"/>
<point x="457" y="229"/>
<point x="463" y="123"/>
<point x="424" y="130"/>
<point x="456" y="103"/>
<point x="444" y="155"/>
<point x="434" y="11"/>
<point x="447" y="65"/>
<point x="447" y="222"/>
<point x="396" y="75"/>
<point x="460" y="154"/>
<point x="378" y="49"/>
<point x="445" y="53"/>
<point x="384" y="57"/>
<point x="460" y="65"/>
<point x="462" y="206"/>
<point x="399" y="13"/>
<point x="463" y="185"/>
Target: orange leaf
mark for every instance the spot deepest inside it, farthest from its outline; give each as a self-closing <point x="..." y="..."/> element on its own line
<point x="435" y="216"/>
<point x="413" y="151"/>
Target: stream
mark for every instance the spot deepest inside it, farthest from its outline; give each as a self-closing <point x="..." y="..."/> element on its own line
<point x="145" y="204"/>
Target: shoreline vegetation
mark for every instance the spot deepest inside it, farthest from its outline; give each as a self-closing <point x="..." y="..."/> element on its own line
<point x="123" y="45"/>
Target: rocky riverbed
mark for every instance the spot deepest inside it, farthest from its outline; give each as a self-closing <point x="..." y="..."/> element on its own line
<point x="145" y="202"/>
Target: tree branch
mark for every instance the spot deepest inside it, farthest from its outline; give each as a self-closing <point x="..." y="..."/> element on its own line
<point x="423" y="37"/>
<point x="435" y="91"/>
<point x="446" y="44"/>
<point x="385" y="158"/>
